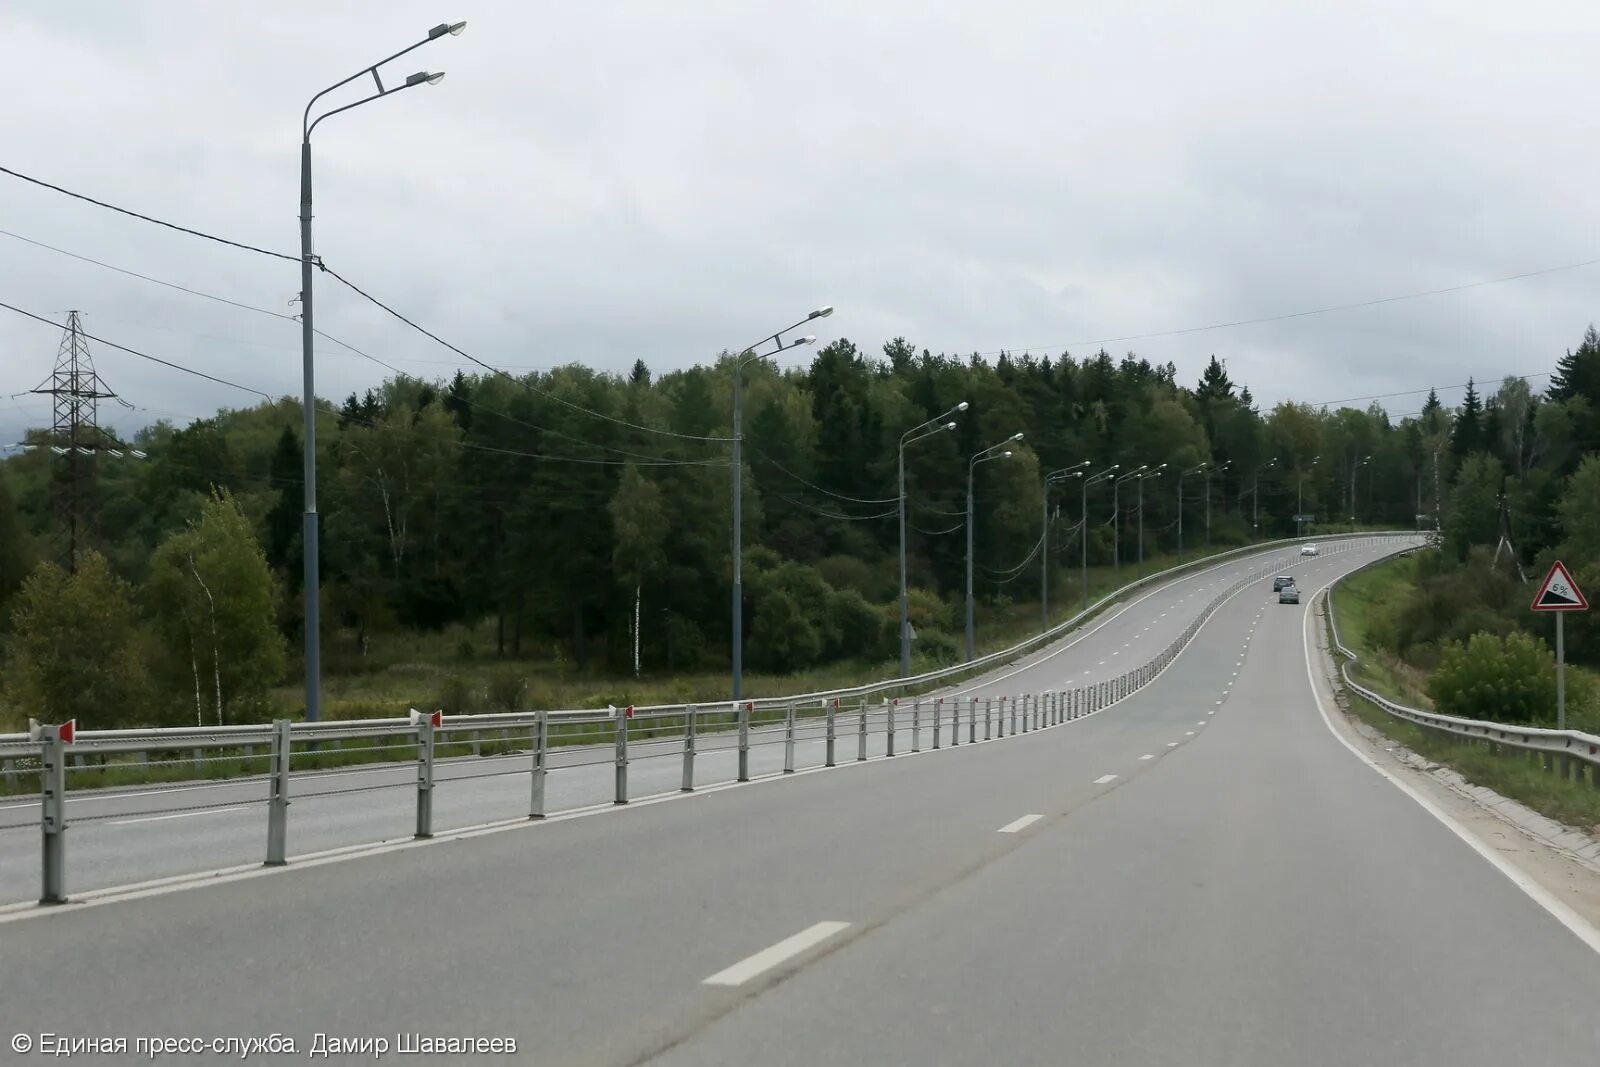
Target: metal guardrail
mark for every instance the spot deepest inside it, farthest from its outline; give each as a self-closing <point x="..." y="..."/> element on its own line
<point x="181" y="737"/>
<point x="1568" y="750"/>
<point x="677" y="732"/>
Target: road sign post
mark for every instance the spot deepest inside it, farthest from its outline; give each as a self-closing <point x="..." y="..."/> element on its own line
<point x="1559" y="594"/>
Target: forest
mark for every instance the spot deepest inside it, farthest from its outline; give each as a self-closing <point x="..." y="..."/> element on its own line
<point x="584" y="519"/>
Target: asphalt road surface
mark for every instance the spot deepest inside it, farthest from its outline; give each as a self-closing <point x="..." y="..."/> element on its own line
<point x="1202" y="874"/>
<point x="120" y="837"/>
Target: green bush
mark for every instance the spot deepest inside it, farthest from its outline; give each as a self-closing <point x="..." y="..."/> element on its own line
<point x="456" y="696"/>
<point x="506" y="690"/>
<point x="1510" y="679"/>
<point x="851" y="572"/>
<point x="926" y="610"/>
<point x="782" y="639"/>
<point x="936" y="648"/>
<point x="857" y="626"/>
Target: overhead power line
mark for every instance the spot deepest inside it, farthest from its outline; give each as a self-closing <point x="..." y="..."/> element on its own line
<point x="1424" y="389"/>
<point x="1297" y="314"/>
<point x="509" y="377"/>
<point x="473" y="404"/>
<point x="144" y="355"/>
<point x="148" y="218"/>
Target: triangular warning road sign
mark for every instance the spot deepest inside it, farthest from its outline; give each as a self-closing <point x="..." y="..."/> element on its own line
<point x="1558" y="592"/>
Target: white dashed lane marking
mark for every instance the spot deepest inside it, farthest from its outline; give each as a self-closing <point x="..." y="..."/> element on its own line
<point x="768" y="958"/>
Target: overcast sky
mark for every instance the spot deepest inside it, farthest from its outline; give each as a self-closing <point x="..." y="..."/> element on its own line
<point x="599" y="182"/>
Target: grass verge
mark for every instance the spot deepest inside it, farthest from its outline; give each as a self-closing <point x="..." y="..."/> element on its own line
<point x="1511" y="773"/>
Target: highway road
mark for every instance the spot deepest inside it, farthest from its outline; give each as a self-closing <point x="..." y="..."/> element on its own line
<point x="1203" y="874"/>
<point x="118" y="837"/>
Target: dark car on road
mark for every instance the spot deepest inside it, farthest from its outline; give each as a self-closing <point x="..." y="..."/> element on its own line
<point x="1289" y="594"/>
<point x="1280" y="581"/>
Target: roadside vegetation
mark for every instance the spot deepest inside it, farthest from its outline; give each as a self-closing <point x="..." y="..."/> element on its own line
<point x="1486" y="676"/>
<point x="562" y="538"/>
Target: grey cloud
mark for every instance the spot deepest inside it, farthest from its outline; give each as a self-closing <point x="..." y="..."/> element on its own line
<point x="611" y="181"/>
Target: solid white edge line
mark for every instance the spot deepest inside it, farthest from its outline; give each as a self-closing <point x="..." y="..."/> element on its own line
<point x="1541" y="896"/>
<point x="1104" y="778"/>
<point x="1019" y="824"/>
<point x="768" y="958"/>
<point x="1148" y="755"/>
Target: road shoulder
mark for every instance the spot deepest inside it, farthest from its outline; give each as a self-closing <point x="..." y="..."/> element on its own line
<point x="1562" y="861"/>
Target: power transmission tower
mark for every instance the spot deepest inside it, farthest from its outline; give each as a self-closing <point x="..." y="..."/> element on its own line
<point x="76" y="439"/>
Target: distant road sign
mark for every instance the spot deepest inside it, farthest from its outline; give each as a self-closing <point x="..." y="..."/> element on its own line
<point x="1558" y="592"/>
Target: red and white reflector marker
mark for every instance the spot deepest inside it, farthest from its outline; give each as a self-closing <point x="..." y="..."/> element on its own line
<point x="1558" y="592"/>
<point x="67" y="731"/>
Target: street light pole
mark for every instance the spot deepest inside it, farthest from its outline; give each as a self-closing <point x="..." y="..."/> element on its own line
<point x="998" y="451"/>
<point x="1300" y="497"/>
<point x="1083" y="517"/>
<point x="1155" y="473"/>
<point x="1222" y="467"/>
<point x="1182" y="474"/>
<point x="921" y="430"/>
<point x="1116" y="520"/>
<point x="750" y="355"/>
<point x="1255" y="500"/>
<point x="1074" y="471"/>
<point x="308" y="400"/>
<point x="1354" y="467"/>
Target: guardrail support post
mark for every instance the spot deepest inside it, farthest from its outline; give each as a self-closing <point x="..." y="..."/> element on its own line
<point x="938" y="711"/>
<point x="541" y="748"/>
<point x="788" y="740"/>
<point x="893" y="708"/>
<point x="53" y="824"/>
<point x="988" y="719"/>
<point x="833" y="714"/>
<point x="955" y="722"/>
<point x="278" y="795"/>
<point x="688" y="749"/>
<point x="425" y="776"/>
<point x="972" y="720"/>
<point x="743" y="710"/>
<point x="1000" y="719"/>
<point x="916" y="726"/>
<point x="621" y="796"/>
<point x="861" y="733"/>
<point x="1014" y="715"/>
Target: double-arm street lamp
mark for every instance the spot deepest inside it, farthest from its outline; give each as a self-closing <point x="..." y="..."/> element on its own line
<point x="1116" y="518"/>
<point x="1354" y="467"/>
<point x="313" y="622"/>
<point x="1062" y="475"/>
<point x="1182" y="474"/>
<point x="1083" y="512"/>
<point x="938" y="424"/>
<point x="746" y="356"/>
<point x="1255" y="499"/>
<point x="1224" y="465"/>
<point x="1154" y="472"/>
<point x="999" y="451"/>
<point x="1300" y="497"/>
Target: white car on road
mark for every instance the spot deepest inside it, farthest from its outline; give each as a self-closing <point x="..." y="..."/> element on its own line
<point x="1308" y="550"/>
